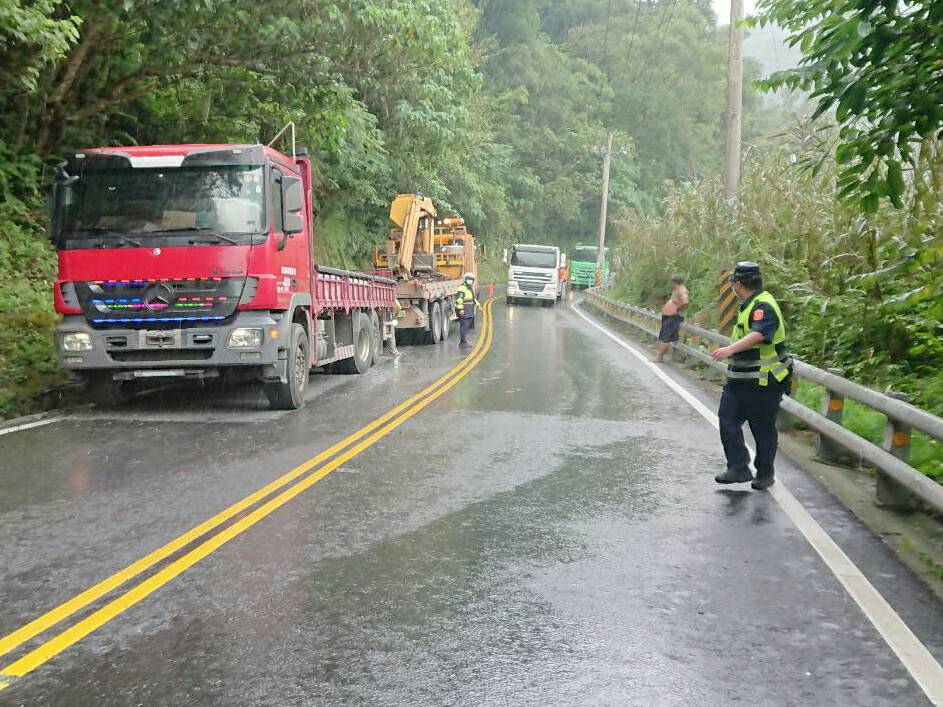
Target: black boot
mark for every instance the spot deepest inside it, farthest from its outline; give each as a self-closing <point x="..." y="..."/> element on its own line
<point x="763" y="481"/>
<point x="734" y="476"/>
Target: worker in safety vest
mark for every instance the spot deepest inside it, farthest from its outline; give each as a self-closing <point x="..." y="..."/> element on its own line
<point x="759" y="371"/>
<point x="465" y="304"/>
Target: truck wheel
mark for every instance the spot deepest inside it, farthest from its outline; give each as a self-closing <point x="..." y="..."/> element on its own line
<point x="446" y="322"/>
<point x="363" y="348"/>
<point x="376" y="338"/>
<point x="107" y="392"/>
<point x="291" y="394"/>
<point x="434" y="335"/>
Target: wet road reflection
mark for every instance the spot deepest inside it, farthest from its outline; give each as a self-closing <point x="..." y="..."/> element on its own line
<point x="546" y="533"/>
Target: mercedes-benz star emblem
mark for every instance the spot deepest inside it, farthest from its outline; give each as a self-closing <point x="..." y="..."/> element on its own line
<point x="157" y="298"/>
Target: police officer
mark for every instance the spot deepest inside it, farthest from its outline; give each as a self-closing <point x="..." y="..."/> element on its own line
<point x="465" y="304"/>
<point x="758" y="373"/>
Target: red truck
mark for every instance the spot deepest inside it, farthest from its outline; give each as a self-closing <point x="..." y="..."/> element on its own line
<point x="180" y="261"/>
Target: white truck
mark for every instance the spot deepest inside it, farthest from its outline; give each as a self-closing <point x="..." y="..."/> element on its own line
<point x="535" y="272"/>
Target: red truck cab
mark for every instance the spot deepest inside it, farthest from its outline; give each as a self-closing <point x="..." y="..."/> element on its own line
<point x="197" y="261"/>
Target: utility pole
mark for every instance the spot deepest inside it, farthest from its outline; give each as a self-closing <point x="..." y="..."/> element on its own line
<point x="734" y="102"/>
<point x="606" y="160"/>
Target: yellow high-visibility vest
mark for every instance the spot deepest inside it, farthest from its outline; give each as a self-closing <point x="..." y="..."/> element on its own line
<point x="462" y="298"/>
<point x="764" y="359"/>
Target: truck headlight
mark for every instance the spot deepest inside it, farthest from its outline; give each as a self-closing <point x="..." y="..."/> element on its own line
<point x="244" y="338"/>
<point x="76" y="341"/>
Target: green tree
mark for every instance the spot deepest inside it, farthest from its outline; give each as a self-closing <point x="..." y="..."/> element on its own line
<point x="33" y="36"/>
<point x="876" y="64"/>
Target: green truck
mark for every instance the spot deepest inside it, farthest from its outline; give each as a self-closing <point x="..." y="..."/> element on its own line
<point x="583" y="265"/>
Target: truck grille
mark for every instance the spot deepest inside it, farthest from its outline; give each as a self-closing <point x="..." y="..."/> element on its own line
<point x="150" y="304"/>
<point x="532" y="282"/>
<point x="161" y="356"/>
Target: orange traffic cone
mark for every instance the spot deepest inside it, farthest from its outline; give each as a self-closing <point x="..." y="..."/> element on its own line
<point x="491" y="289"/>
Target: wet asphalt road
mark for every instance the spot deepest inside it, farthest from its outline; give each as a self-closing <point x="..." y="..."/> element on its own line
<point x="546" y="533"/>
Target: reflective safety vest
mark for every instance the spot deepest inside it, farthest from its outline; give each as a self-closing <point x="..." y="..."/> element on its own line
<point x="465" y="299"/>
<point x="764" y="360"/>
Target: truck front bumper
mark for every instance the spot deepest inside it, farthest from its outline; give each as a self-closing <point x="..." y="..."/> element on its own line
<point x="514" y="290"/>
<point x="193" y="351"/>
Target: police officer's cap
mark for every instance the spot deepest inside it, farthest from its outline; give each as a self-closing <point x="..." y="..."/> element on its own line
<point x="746" y="270"/>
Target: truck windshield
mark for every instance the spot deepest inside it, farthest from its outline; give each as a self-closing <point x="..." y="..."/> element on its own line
<point x="534" y="258"/>
<point x="137" y="205"/>
<point x="584" y="255"/>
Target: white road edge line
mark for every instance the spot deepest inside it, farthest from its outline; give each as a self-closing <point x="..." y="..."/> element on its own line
<point x="30" y="425"/>
<point x="918" y="661"/>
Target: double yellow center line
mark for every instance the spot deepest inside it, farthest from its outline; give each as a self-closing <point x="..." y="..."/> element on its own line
<point x="338" y="454"/>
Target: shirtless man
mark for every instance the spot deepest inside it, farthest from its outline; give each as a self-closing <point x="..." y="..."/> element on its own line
<point x="671" y="318"/>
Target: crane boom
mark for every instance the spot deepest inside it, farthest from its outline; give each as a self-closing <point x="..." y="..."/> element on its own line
<point x="415" y="216"/>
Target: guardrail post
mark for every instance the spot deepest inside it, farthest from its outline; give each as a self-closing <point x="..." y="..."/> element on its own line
<point x="896" y="441"/>
<point x="640" y="320"/>
<point x="785" y="421"/>
<point x="713" y="373"/>
<point x="833" y="408"/>
<point x="677" y="355"/>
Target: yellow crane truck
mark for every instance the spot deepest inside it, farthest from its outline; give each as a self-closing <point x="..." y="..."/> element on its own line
<point x="428" y="259"/>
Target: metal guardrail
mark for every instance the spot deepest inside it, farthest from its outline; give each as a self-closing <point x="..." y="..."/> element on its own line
<point x="898" y="482"/>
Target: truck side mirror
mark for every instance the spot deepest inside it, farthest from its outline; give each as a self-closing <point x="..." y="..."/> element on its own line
<point x="52" y="222"/>
<point x="56" y="200"/>
<point x="504" y="257"/>
<point x="293" y="204"/>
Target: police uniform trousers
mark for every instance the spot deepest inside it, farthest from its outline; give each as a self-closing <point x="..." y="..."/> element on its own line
<point x="466" y="322"/>
<point x="757" y="405"/>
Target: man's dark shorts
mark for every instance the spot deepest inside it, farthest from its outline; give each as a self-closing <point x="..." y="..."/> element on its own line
<point x="670" y="328"/>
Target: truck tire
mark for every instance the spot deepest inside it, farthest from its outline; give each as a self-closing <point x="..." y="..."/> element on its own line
<point x="363" y="348"/>
<point x="109" y="393"/>
<point x="446" y="321"/>
<point x="291" y="394"/>
<point x="434" y="334"/>
<point x="376" y="337"/>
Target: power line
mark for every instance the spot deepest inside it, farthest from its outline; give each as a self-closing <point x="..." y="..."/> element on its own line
<point x="605" y="59"/>
<point x="667" y="16"/>
<point x="632" y="35"/>
<point x="605" y="41"/>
